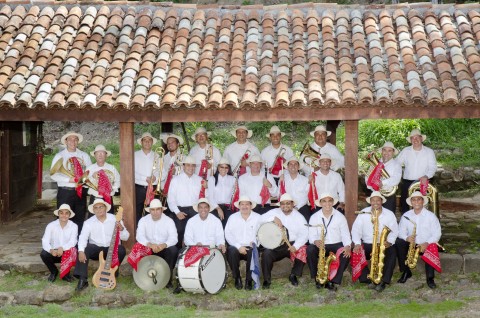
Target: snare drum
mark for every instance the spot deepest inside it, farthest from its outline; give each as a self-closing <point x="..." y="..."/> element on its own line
<point x="269" y="235"/>
<point x="207" y="275"/>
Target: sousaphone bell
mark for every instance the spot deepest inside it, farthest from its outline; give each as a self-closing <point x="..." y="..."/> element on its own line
<point x="152" y="273"/>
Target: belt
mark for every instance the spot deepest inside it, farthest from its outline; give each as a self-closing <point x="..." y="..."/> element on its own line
<point x="142" y="186"/>
<point x="67" y="188"/>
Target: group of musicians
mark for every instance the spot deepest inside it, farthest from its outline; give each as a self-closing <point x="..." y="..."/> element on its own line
<point x="210" y="200"/>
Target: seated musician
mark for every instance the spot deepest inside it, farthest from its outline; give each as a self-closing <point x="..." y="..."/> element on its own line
<point x="239" y="151"/>
<point x="58" y="243"/>
<point x="220" y="190"/>
<point x="289" y="219"/>
<point x="336" y="239"/>
<point x="329" y="181"/>
<point x="95" y="237"/>
<point x="419" y="228"/>
<point x="106" y="176"/>
<point x="295" y="184"/>
<point x="201" y="150"/>
<point x="240" y="233"/>
<point x="363" y="236"/>
<point x="276" y="153"/>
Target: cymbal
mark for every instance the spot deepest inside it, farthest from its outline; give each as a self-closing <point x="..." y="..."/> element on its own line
<point x="152" y="273"/>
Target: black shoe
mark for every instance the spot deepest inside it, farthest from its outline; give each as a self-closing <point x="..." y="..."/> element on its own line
<point x="380" y="287"/>
<point x="330" y="286"/>
<point x="372" y="285"/>
<point x="169" y="285"/>
<point x="266" y="285"/>
<point x="293" y="279"/>
<point x="52" y="277"/>
<point x="405" y="276"/>
<point x="82" y="284"/>
<point x="238" y="283"/>
<point x="318" y="285"/>
<point x="68" y="278"/>
<point x="248" y="284"/>
<point x="431" y="283"/>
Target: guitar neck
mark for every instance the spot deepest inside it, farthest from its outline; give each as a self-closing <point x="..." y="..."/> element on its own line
<point x="108" y="260"/>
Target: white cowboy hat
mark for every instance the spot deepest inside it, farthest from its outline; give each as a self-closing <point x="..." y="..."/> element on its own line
<point x="275" y="130"/>
<point x="202" y="200"/>
<point x="376" y="194"/>
<point x="416" y="132"/>
<point x="200" y="130"/>
<point x="147" y="135"/>
<point x="155" y="203"/>
<point x="320" y="128"/>
<point x="324" y="156"/>
<point x="189" y="160"/>
<point x="326" y="195"/>
<point x="254" y="158"/>
<point x="234" y="132"/>
<point x="244" y="198"/>
<point x="293" y="158"/>
<point x="64" y="207"/>
<point x="223" y="161"/>
<point x="100" y="148"/>
<point x="71" y="133"/>
<point x="389" y="144"/>
<point x="165" y="137"/>
<point x="415" y="195"/>
<point x="98" y="200"/>
<point x="286" y="197"/>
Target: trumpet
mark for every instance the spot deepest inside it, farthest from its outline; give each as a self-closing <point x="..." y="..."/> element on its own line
<point x="310" y="156"/>
<point x="209" y="156"/>
<point x="237" y="167"/>
<point x="280" y="153"/>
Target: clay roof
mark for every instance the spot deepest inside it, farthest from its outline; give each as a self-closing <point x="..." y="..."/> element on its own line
<point x="148" y="55"/>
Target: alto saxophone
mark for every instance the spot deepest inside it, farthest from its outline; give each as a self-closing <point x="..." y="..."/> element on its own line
<point x="378" y="250"/>
<point x="323" y="265"/>
<point x="413" y="249"/>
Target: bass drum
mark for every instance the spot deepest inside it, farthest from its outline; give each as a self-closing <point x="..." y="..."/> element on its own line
<point x="269" y="235"/>
<point x="207" y="275"/>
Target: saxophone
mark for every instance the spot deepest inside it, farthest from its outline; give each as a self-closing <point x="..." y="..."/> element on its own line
<point x="378" y="249"/>
<point x="323" y="265"/>
<point x="413" y="250"/>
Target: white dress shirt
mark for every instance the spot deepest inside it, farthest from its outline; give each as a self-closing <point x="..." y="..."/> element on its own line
<point x="297" y="188"/>
<point x="294" y="222"/>
<point x="417" y="163"/>
<point x="269" y="154"/>
<point x="222" y="192"/>
<point x="235" y="151"/>
<point x="331" y="183"/>
<point x="428" y="227"/>
<point x="336" y="228"/>
<point x="207" y="232"/>
<point x="55" y="236"/>
<point x="157" y="232"/>
<point x="240" y="232"/>
<point x="143" y="167"/>
<point x="184" y="191"/>
<point x="100" y="233"/>
<point x="251" y="186"/>
<point x="199" y="154"/>
<point x="337" y="157"/>
<point x="63" y="180"/>
<point x="362" y="229"/>
<point x="116" y="177"/>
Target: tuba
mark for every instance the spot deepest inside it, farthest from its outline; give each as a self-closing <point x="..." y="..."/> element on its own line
<point x="378" y="249"/>
<point x="413" y="249"/>
<point x="373" y="161"/>
<point x="323" y="265"/>
<point x="310" y="156"/>
<point x="432" y="194"/>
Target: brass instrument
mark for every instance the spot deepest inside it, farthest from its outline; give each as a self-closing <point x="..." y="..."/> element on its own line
<point x="209" y="156"/>
<point x="180" y="156"/>
<point x="161" y="154"/>
<point x="432" y="194"/>
<point x="237" y="167"/>
<point x="280" y="153"/>
<point x="58" y="167"/>
<point x="85" y="180"/>
<point x="310" y="156"/>
<point x="156" y="158"/>
<point x="323" y="265"/>
<point x="378" y="249"/>
<point x="373" y="161"/>
<point x="413" y="249"/>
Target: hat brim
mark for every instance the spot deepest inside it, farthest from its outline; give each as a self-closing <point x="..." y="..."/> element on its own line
<point x="237" y="204"/>
<point x="92" y="153"/>
<point x="312" y="133"/>
<point x="383" y="199"/>
<point x="395" y="150"/>
<point x="72" y="214"/>
<point x="275" y="132"/>
<point x="90" y="207"/>
<point x="147" y="209"/>
<point x="165" y="138"/>
<point x="195" y="207"/>
<point x="300" y="164"/>
<point x="317" y="201"/>
<point x="194" y="136"/>
<point x="425" y="200"/>
<point x="249" y="133"/>
<point x="424" y="137"/>
<point x="64" y="138"/>
<point x="139" y="140"/>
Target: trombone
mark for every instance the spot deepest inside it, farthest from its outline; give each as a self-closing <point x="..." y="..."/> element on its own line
<point x="209" y="156"/>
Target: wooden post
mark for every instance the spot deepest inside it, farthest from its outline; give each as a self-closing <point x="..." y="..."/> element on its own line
<point x="127" y="181"/>
<point x="332" y="126"/>
<point x="351" y="170"/>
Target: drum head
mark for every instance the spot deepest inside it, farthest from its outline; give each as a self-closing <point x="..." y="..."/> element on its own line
<point x="269" y="235"/>
<point x="149" y="267"/>
<point x="213" y="271"/>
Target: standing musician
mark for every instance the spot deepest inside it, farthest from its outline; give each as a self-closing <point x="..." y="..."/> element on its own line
<point x="295" y="184"/>
<point x="238" y="152"/>
<point x="321" y="146"/>
<point x="363" y="233"/>
<point x="220" y="189"/>
<point x="289" y="219"/>
<point x="202" y="150"/>
<point x="420" y="164"/>
<point x="276" y="153"/>
<point x="145" y="173"/>
<point x="184" y="192"/>
<point x="336" y="240"/>
<point x="329" y="181"/>
<point x="258" y="185"/>
<point x="95" y="237"/>
<point x="419" y="230"/>
<point x="394" y="170"/>
<point x="240" y="233"/>
<point x="69" y="191"/>
<point x="106" y="176"/>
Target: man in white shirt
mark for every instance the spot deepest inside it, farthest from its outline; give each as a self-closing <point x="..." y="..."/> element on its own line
<point x="336" y="235"/>
<point x="240" y="233"/>
<point x="202" y="149"/>
<point x="60" y="236"/>
<point x="295" y="184"/>
<point x="276" y="153"/>
<point x="420" y="164"/>
<point x="329" y="181"/>
<point x="285" y="216"/>
<point x="95" y="237"/>
<point x="238" y="152"/>
<point x="73" y="160"/>
<point x="363" y="233"/>
<point x="428" y="231"/>
<point x="145" y="174"/>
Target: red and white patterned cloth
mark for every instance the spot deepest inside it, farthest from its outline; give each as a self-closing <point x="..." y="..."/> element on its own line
<point x="431" y="257"/>
<point x="69" y="258"/>
<point x="104" y="186"/>
<point x="358" y="262"/>
<point x="195" y="253"/>
<point x="138" y="252"/>
<point x="300" y="254"/>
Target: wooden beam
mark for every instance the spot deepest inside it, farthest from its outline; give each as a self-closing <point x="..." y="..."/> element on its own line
<point x="127" y="181"/>
<point x="351" y="170"/>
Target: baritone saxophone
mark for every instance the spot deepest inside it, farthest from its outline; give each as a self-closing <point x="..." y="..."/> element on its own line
<point x="323" y="265"/>
<point x="378" y="249"/>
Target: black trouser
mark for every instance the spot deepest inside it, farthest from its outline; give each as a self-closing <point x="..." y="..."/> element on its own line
<point x="233" y="259"/>
<point x="389" y="263"/>
<point x="262" y="209"/>
<point x="92" y="251"/>
<point x="306" y="212"/>
<point x="270" y="256"/>
<point x="404" y="195"/>
<point x="77" y="204"/>
<point x="112" y="208"/>
<point x="402" y="251"/>
<point x="312" y="260"/>
<point x="140" y="195"/>
<point x="170" y="255"/>
<point x="49" y="260"/>
<point x="226" y="213"/>
<point x="181" y="224"/>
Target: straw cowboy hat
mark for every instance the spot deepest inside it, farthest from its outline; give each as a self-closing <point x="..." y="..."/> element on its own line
<point x="249" y="132"/>
<point x="376" y="194"/>
<point x="244" y="198"/>
<point x="389" y="144"/>
<point x="147" y="135"/>
<point x="417" y="194"/>
<point x="223" y="161"/>
<point x="98" y="200"/>
<point x="155" y="204"/>
<point x="64" y="207"/>
<point x="202" y="200"/>
<point x="286" y="197"/>
<point x="325" y="156"/>
<point x="293" y="158"/>
<point x="275" y="130"/>
<point x="71" y="133"/>
<point x="200" y="130"/>
<point x="100" y="148"/>
<point x="326" y="195"/>
<point x="255" y="158"/>
<point x="416" y="132"/>
<point x="189" y="160"/>
<point x="165" y="137"/>
<point x="320" y="128"/>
